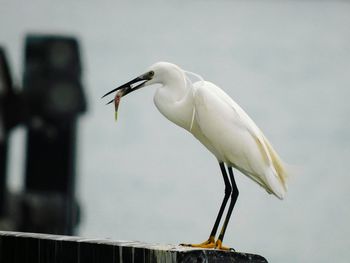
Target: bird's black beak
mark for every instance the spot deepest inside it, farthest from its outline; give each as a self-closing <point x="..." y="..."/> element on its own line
<point x="129" y="87"/>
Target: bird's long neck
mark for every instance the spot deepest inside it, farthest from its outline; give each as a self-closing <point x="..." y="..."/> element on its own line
<point x="175" y="100"/>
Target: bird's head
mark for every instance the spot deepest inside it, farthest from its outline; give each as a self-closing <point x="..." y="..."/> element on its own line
<point x="160" y="72"/>
<point x="164" y="72"/>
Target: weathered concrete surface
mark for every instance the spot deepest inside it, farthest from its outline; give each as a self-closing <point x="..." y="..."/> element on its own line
<point x="18" y="247"/>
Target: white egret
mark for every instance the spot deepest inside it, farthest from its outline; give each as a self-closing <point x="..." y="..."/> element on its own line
<point x="221" y="125"/>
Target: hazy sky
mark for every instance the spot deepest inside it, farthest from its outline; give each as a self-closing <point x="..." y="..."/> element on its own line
<point x="285" y="62"/>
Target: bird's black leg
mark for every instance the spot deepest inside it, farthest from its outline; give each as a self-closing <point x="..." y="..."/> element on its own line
<point x="228" y="190"/>
<point x="234" y="196"/>
<point x="210" y="243"/>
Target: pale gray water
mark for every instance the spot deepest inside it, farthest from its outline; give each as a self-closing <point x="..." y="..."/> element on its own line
<point x="285" y="62"/>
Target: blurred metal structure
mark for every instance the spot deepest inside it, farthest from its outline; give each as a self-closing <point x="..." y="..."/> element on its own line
<point x="6" y="93"/>
<point x="49" y="104"/>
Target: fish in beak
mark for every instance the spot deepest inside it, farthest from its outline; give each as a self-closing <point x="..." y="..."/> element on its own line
<point x="127" y="88"/>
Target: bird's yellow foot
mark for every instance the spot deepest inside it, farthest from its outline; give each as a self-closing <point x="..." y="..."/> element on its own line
<point x="210" y="243"/>
<point x="218" y="245"/>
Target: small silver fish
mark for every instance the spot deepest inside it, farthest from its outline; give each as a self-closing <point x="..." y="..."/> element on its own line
<point x="117" y="99"/>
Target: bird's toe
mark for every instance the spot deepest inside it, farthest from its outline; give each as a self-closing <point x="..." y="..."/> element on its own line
<point x="210" y="243"/>
<point x="218" y="245"/>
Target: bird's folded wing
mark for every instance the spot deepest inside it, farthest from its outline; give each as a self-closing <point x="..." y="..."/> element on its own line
<point x="237" y="137"/>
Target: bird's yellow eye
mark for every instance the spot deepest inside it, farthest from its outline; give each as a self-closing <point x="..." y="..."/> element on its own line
<point x="151" y="73"/>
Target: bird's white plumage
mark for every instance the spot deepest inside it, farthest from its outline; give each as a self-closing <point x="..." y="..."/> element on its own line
<point x="220" y="124"/>
<point x="235" y="138"/>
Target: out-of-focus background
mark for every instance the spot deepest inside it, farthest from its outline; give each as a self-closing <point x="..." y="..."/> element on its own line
<point x="285" y="62"/>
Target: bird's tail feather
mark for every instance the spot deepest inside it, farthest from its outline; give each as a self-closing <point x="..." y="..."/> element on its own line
<point x="278" y="180"/>
<point x="278" y="164"/>
<point x="274" y="185"/>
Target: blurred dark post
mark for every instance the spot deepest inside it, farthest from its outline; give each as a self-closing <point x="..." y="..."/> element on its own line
<point x="5" y="92"/>
<point x="54" y="96"/>
<point x="10" y="115"/>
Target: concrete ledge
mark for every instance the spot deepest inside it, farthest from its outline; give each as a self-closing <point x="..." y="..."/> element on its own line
<point x="18" y="247"/>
